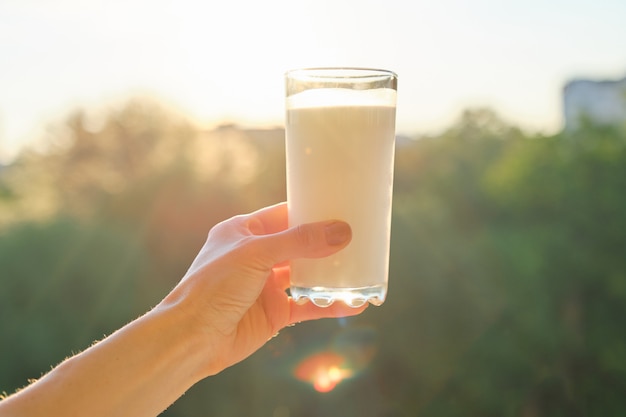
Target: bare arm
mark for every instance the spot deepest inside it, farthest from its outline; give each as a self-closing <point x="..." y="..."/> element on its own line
<point x="230" y="302"/>
<point x="137" y="371"/>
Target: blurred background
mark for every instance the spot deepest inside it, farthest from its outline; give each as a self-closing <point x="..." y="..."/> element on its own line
<point x="128" y="129"/>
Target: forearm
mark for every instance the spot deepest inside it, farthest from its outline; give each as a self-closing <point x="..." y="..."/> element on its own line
<point x="137" y="371"/>
<point x="231" y="301"/>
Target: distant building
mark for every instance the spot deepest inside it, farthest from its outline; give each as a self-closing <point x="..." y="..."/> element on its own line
<point x="602" y="102"/>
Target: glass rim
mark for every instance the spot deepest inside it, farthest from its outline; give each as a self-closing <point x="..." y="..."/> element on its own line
<point x="339" y="73"/>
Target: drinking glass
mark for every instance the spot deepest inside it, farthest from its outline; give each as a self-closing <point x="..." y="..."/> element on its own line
<point x="340" y="144"/>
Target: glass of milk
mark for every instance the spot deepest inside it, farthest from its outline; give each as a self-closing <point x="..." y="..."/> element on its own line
<point x="340" y="143"/>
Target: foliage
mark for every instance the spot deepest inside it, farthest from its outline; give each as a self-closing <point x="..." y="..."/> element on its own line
<point x="507" y="284"/>
<point x="63" y="285"/>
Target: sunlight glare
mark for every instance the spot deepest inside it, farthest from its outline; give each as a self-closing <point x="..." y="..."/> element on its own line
<point x="327" y="379"/>
<point x="349" y="353"/>
<point x="323" y="370"/>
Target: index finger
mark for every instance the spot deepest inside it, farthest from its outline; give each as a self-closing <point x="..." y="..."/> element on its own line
<point x="271" y="219"/>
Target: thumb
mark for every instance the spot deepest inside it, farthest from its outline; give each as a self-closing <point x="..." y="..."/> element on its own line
<point x="309" y="240"/>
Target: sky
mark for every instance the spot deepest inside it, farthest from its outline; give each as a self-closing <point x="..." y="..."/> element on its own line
<point x="224" y="61"/>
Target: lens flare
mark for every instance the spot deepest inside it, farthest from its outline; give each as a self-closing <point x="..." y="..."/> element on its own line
<point x="323" y="370"/>
<point x="349" y="353"/>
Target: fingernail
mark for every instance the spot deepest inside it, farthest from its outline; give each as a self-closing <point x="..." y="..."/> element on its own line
<point x="337" y="233"/>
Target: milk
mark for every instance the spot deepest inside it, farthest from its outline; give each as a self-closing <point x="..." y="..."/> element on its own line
<point x="340" y="166"/>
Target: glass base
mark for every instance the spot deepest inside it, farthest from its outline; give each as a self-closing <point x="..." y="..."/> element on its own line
<point x="353" y="297"/>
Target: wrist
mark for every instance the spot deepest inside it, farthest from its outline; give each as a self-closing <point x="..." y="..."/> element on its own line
<point x="181" y="312"/>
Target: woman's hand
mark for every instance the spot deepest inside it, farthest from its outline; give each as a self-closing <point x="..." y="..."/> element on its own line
<point x="234" y="291"/>
<point x="230" y="302"/>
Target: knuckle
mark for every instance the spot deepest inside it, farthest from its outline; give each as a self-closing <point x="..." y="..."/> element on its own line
<point x="305" y="235"/>
<point x="247" y="245"/>
<point x="252" y="250"/>
<point x="221" y="229"/>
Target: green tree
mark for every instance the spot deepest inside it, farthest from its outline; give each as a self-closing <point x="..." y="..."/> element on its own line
<point x="507" y="286"/>
<point x="62" y="286"/>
